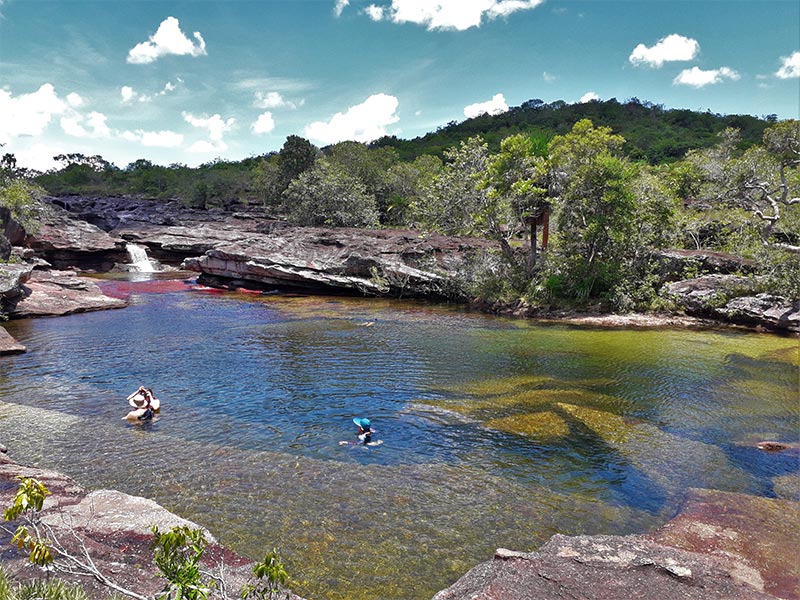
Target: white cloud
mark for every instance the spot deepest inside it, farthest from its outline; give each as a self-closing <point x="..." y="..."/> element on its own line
<point x="214" y="124"/>
<point x="39" y="156"/>
<point x="374" y="12"/>
<point x="169" y="39"/>
<point x="361" y="123"/>
<point x="272" y="100"/>
<point x="670" y="48"/>
<point x="497" y="105"/>
<point x="74" y="100"/>
<point x="588" y="97"/>
<point x="127" y="93"/>
<point x="28" y="114"/>
<point x="204" y="146"/>
<point x="790" y="67"/>
<point x="71" y="126"/>
<point x="697" y="78"/>
<point x="340" y="6"/>
<point x="447" y="14"/>
<point x="97" y="121"/>
<point x="160" y="139"/>
<point x="549" y="77"/>
<point x="264" y="124"/>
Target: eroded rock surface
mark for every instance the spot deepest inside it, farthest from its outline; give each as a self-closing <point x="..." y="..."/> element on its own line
<point x="722" y="545"/>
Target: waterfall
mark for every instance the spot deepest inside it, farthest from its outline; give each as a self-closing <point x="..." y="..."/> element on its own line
<point x="140" y="263"/>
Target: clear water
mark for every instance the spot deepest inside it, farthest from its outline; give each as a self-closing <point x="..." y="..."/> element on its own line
<point x="496" y="433"/>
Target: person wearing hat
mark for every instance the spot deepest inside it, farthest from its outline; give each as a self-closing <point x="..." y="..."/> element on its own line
<point x="144" y="403"/>
<point x="364" y="430"/>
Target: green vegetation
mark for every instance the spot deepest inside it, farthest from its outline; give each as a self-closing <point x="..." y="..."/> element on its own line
<point x="614" y="190"/>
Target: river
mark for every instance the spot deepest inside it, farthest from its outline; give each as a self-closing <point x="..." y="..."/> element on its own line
<point x="495" y="432"/>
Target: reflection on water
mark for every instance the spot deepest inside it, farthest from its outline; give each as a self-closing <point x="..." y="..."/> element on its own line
<point x="496" y="432"/>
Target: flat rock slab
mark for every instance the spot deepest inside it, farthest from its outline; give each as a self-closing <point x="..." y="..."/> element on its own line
<point x="55" y="293"/>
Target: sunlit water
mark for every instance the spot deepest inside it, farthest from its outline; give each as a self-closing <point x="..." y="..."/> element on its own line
<point x="496" y="433"/>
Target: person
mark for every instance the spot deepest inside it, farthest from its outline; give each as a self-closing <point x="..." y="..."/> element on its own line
<point x="365" y="430"/>
<point x="145" y="405"/>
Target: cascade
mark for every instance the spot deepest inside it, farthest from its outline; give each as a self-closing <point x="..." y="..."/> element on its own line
<point x="140" y="262"/>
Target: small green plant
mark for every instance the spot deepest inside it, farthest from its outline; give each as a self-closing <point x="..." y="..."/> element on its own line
<point x="39" y="590"/>
<point x="28" y="501"/>
<point x="271" y="578"/>
<point x="177" y="555"/>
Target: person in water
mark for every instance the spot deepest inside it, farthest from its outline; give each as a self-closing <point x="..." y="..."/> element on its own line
<point x="144" y="403"/>
<point x="365" y="430"/>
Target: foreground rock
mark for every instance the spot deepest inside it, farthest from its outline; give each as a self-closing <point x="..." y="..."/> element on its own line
<point x="386" y="262"/>
<point x="115" y="530"/>
<point x="722" y="545"/>
<point x="55" y="293"/>
<point x="8" y="345"/>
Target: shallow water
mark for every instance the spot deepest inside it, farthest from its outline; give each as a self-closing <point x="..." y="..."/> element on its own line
<point x="495" y="432"/>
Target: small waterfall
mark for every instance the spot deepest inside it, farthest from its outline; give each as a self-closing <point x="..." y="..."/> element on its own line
<point x="140" y="263"/>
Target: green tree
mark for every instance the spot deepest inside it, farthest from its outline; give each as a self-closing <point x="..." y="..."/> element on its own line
<point x="407" y="182"/>
<point x="295" y="157"/>
<point x="595" y="207"/>
<point x="326" y="195"/>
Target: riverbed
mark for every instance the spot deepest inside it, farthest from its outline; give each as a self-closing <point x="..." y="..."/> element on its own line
<point x="494" y="432"/>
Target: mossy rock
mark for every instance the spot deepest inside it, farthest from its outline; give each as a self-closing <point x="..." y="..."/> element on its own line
<point x="539" y="425"/>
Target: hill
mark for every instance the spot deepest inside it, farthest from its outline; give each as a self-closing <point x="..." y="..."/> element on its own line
<point x="653" y="133"/>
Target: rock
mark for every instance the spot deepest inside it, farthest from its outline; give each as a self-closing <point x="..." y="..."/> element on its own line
<point x="12" y="277"/>
<point x="766" y="310"/>
<point x="602" y="567"/>
<point x="674" y="263"/>
<point x="66" y="242"/>
<point x="356" y="261"/>
<point x="51" y="293"/>
<point x="10" y="229"/>
<point x="763" y="533"/>
<point x="114" y="529"/>
<point x="8" y="345"/>
<point x="721" y="545"/>
<point x="733" y="299"/>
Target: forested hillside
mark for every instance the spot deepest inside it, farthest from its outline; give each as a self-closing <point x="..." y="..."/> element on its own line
<point x="652" y="132"/>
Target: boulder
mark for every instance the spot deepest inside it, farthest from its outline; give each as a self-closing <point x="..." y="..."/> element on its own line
<point x="674" y="262"/>
<point x="766" y="310"/>
<point x="52" y="293"/>
<point x="721" y="545"/>
<point x="12" y="277"/>
<point x="701" y="295"/>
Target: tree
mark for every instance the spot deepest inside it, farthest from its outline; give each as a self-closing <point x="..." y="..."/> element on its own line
<point x="595" y="208"/>
<point x="406" y="185"/>
<point x="326" y="195"/>
<point x="766" y="180"/>
<point x="453" y="197"/>
<point x="295" y="157"/>
<point x="514" y="180"/>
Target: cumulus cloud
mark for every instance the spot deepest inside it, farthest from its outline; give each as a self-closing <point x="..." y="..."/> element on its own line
<point x="670" y="48"/>
<point x="74" y="100"/>
<point x="159" y="139"/>
<point x="447" y="14"/>
<point x="204" y="146"/>
<point x="363" y="122"/>
<point x="264" y="124"/>
<point x="588" y="97"/>
<point x="28" y="114"/>
<point x="72" y="126"/>
<point x="495" y="106"/>
<point x="272" y="100"/>
<point x="790" y="67"/>
<point x="697" y="78"/>
<point x="340" y="6"/>
<point x="169" y="39"/>
<point x="214" y="124"/>
<point x="76" y="125"/>
<point x="374" y="12"/>
<point x="127" y="94"/>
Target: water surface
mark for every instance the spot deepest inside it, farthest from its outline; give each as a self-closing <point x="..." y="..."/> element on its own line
<point x="495" y="432"/>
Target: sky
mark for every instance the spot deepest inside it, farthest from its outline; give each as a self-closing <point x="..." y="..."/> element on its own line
<point x="190" y="82"/>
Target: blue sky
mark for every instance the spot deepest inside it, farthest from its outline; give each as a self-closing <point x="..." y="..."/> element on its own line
<point x="191" y="81"/>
